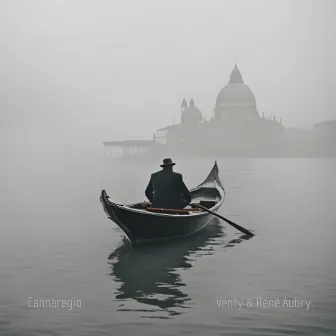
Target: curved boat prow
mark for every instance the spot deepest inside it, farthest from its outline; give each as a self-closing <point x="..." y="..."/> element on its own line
<point x="103" y="197"/>
<point x="103" y="194"/>
<point x="213" y="176"/>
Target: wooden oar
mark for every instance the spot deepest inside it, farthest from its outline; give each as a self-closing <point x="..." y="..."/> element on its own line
<point x="238" y="227"/>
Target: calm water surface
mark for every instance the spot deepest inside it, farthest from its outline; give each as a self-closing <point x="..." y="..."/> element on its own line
<point x="56" y="243"/>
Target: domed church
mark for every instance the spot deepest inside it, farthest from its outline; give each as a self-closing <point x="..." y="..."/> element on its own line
<point x="190" y="115"/>
<point x="236" y="101"/>
<point x="235" y="126"/>
<point x="235" y="129"/>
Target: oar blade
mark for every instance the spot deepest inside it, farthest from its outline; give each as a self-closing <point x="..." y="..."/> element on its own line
<point x="238" y="227"/>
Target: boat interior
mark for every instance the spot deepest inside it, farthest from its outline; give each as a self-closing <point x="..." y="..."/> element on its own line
<point x="207" y="197"/>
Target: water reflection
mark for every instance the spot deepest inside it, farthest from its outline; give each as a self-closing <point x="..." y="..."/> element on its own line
<point x="151" y="275"/>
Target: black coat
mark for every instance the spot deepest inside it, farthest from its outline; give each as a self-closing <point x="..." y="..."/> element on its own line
<point x="166" y="189"/>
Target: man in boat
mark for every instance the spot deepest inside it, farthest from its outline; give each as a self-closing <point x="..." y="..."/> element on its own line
<point x="166" y="188"/>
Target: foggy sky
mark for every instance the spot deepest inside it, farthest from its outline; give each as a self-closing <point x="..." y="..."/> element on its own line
<point x="78" y="71"/>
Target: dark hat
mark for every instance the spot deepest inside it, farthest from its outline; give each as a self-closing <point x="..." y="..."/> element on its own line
<point x="167" y="162"/>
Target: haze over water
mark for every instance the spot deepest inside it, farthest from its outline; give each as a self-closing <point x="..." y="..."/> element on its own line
<point x="57" y="243"/>
<point x="77" y="73"/>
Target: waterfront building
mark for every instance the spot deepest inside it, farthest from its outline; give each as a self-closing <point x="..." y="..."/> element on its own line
<point x="235" y="128"/>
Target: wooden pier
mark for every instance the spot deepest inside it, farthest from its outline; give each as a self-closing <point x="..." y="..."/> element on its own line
<point x="127" y="148"/>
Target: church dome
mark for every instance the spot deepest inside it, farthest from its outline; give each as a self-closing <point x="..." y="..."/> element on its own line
<point x="191" y="114"/>
<point x="236" y="93"/>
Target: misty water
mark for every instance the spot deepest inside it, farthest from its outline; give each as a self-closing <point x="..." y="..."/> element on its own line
<point x="57" y="243"/>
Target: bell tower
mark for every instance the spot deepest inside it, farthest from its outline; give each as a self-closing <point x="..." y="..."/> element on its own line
<point x="183" y="105"/>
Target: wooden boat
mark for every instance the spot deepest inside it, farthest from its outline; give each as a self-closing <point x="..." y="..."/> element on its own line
<point x="142" y="223"/>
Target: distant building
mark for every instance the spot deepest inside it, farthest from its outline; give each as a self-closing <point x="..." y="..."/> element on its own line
<point x="235" y="129"/>
<point x="325" y="138"/>
<point x="236" y="101"/>
<point x="120" y="149"/>
<point x="326" y="128"/>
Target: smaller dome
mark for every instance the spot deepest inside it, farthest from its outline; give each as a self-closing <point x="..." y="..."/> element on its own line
<point x="191" y="114"/>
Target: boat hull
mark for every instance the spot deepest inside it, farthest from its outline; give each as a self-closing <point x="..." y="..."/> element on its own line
<point x="141" y="228"/>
